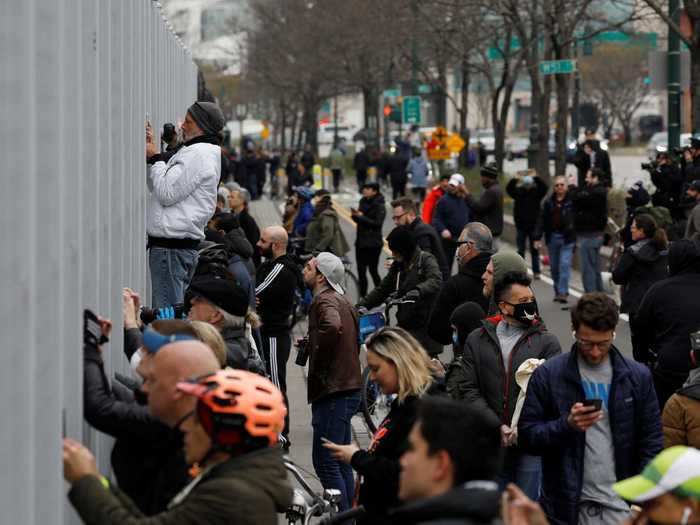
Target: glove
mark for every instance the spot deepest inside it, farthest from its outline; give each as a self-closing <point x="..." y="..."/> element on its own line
<point x="166" y="313"/>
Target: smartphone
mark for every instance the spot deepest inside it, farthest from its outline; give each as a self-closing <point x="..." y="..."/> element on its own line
<point x="597" y="403"/>
<point x="92" y="330"/>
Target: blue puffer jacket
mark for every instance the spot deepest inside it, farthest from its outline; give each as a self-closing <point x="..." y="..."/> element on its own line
<point x="543" y="429"/>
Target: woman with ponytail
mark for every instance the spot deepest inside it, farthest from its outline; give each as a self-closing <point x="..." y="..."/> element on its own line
<point x="643" y="263"/>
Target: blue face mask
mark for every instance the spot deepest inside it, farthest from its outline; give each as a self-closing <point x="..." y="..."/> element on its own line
<point x="455" y="338"/>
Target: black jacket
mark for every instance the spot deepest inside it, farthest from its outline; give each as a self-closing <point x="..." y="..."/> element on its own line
<point x="379" y="466"/>
<point x="489" y="208"/>
<point x="668" y="180"/>
<point x="670" y="312"/>
<point x="361" y="161"/>
<point x="527" y="202"/>
<point x="485" y="381"/>
<point x="147" y="458"/>
<point x="308" y="160"/>
<point x="369" y="224"/>
<point x="427" y="240"/>
<point x="474" y="503"/>
<point x="565" y="224"/>
<point x="590" y="208"/>
<point x="640" y="266"/>
<point x="420" y="273"/>
<point x="451" y="213"/>
<point x="277" y="281"/>
<point x="397" y="169"/>
<point x="252" y="232"/>
<point x="465" y="286"/>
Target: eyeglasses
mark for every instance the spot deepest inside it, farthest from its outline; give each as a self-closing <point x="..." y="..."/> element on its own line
<point x="460" y="243"/>
<point x="559" y="184"/>
<point x="588" y="345"/>
<point x="397" y="217"/>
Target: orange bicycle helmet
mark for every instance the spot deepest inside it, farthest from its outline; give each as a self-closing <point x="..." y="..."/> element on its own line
<point x="239" y="410"/>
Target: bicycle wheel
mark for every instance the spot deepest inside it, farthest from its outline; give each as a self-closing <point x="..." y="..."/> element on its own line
<point x="351" y="286"/>
<point x="375" y="405"/>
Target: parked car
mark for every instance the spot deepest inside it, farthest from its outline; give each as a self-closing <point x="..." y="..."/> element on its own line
<point x="486" y="137"/>
<point x="659" y="143"/>
<point x="516" y="147"/>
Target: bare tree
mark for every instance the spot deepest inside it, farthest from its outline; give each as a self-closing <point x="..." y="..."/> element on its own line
<point x="613" y="78"/>
<point x="692" y="10"/>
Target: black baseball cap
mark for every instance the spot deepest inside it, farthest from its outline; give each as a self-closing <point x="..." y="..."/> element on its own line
<point x="221" y="291"/>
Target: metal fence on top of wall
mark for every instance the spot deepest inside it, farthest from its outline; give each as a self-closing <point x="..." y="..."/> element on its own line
<point x="77" y="80"/>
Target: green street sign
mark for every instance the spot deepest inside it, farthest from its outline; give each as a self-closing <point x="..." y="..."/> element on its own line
<point x="392" y="93"/>
<point x="557" y="67"/>
<point x="425" y="89"/>
<point x="411" y="110"/>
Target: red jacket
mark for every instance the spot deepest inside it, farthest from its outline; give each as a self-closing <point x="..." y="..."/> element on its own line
<point x="430" y="202"/>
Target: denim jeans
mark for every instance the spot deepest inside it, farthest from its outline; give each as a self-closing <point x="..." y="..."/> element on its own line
<point x="561" y="255"/>
<point x="330" y="419"/>
<point x="522" y="237"/>
<point x="171" y="272"/>
<point x="522" y="469"/>
<point x="589" y="248"/>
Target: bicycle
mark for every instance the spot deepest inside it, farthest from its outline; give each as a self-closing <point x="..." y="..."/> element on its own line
<point x="306" y="503"/>
<point x="374" y="404"/>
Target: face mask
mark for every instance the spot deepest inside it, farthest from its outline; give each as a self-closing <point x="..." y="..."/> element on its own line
<point x="455" y="338"/>
<point x="525" y="313"/>
<point x="528" y="180"/>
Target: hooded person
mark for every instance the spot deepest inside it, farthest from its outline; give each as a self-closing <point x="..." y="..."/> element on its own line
<point x="324" y="234"/>
<point x="414" y="276"/>
<point x="464" y="320"/>
<point x="666" y="316"/>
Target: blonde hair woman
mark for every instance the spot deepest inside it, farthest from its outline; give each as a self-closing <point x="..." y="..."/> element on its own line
<point x="400" y="366"/>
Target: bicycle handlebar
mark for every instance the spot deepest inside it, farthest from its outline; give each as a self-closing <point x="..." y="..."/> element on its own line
<point x="307" y="488"/>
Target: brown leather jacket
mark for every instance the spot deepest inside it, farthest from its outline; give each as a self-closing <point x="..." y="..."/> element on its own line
<point x="681" y="419"/>
<point x="334" y="352"/>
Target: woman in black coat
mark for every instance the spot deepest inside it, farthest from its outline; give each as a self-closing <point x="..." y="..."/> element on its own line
<point x="401" y="367"/>
<point x="642" y="264"/>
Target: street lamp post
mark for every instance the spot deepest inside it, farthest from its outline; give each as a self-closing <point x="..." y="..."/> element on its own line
<point x="241" y="114"/>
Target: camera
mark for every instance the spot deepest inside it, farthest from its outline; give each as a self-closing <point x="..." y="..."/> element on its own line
<point x="176" y="311"/>
<point x="302" y="351"/>
<point x="650" y="166"/>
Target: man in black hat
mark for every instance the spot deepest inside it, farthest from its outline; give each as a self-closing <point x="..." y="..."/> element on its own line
<point x="489" y="208"/>
<point x="182" y="199"/>
<point x="369" y="217"/>
<point x="414" y="276"/>
<point x="220" y="301"/>
<point x="690" y="163"/>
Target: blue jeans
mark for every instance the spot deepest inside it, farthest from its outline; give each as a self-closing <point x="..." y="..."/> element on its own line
<point x="522" y="469"/>
<point x="171" y="272"/>
<point x="561" y="255"/>
<point x="330" y="419"/>
<point x="521" y="238"/>
<point x="589" y="247"/>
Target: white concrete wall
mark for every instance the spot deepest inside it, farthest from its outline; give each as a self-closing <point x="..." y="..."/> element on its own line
<point x="77" y="78"/>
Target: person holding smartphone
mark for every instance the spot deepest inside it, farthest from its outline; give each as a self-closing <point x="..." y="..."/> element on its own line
<point x="593" y="416"/>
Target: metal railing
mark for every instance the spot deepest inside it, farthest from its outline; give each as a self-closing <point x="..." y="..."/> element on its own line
<point x="77" y="80"/>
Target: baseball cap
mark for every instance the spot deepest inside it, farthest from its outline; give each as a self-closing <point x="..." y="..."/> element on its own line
<point x="675" y="470"/>
<point x="456" y="180"/>
<point x="331" y="267"/>
<point x="153" y="341"/>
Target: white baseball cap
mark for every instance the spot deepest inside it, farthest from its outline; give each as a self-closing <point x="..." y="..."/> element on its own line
<point x="456" y="180"/>
<point x="331" y="267"/>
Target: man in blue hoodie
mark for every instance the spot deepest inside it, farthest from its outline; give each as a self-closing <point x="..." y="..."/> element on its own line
<point x="451" y="216"/>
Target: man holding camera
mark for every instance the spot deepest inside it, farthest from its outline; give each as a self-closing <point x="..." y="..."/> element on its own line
<point x="182" y="200"/>
<point x="668" y="179"/>
<point x="334" y="379"/>
<point x="691" y="161"/>
<point x="593" y="417"/>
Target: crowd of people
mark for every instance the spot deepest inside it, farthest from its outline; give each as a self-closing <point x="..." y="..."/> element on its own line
<point x="511" y="430"/>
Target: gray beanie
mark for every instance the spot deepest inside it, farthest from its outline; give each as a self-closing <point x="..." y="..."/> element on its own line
<point x="208" y="117"/>
<point x="504" y="262"/>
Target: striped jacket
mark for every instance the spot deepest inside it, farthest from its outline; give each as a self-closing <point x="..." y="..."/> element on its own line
<point x="277" y="281"/>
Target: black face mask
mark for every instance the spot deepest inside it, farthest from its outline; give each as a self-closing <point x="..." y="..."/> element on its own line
<point x="525" y="313"/>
